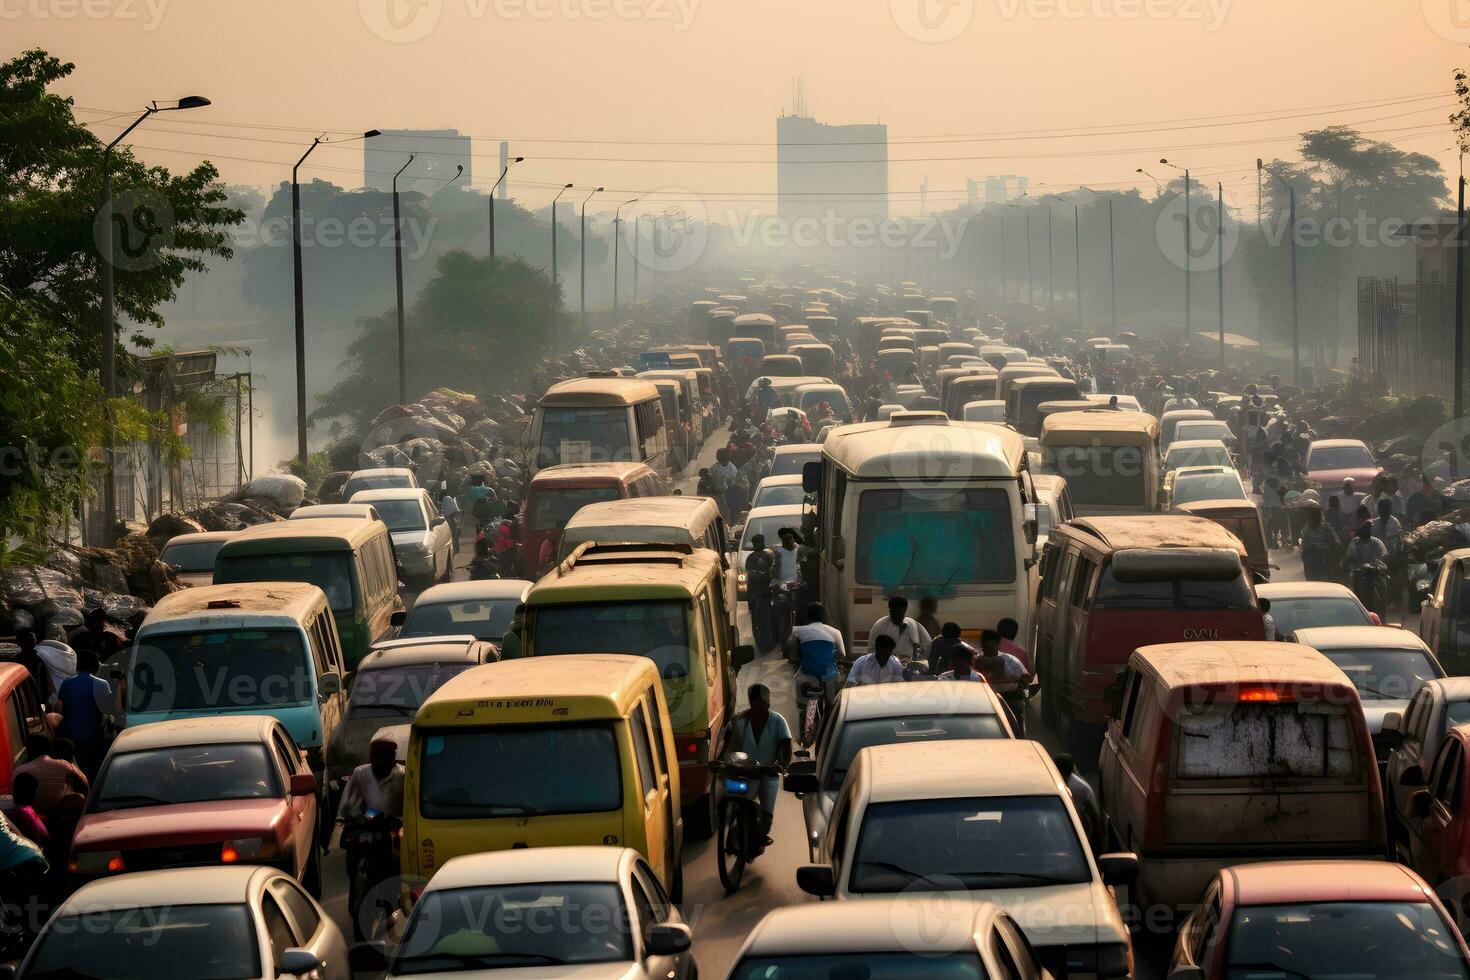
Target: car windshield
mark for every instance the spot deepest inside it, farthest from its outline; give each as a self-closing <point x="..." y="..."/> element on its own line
<point x="868" y="966"/>
<point x="1102" y="475"/>
<point x="219" y="670"/>
<point x="398" y="691"/>
<point x="855" y="735"/>
<point x="789" y="464"/>
<point x="584" y="435"/>
<point x="767" y="525"/>
<point x="657" y="630"/>
<point x="381" y="481"/>
<point x="779" y="495"/>
<point x="401" y="515"/>
<point x="1299" y="614"/>
<point x="810" y="400"/>
<point x="1174" y="593"/>
<point x="1383" y="940"/>
<point x="934" y="539"/>
<point x="484" y="619"/>
<point x="552" y="507"/>
<point x="1339" y="458"/>
<point x="218" y="942"/>
<point x="1385" y="675"/>
<point x="1196" y="456"/>
<point x="185" y="774"/>
<point x="196" y="556"/>
<point x="329" y="571"/>
<point x="1212" y="486"/>
<point x="967" y="843"/>
<point x="539" y="770"/>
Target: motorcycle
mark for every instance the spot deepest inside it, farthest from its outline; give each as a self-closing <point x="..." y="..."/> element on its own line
<point x="1368" y="585"/>
<point x="740" y="831"/>
<point x="372" y="844"/>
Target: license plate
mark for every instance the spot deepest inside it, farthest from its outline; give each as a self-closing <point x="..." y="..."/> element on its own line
<point x="737" y="786"/>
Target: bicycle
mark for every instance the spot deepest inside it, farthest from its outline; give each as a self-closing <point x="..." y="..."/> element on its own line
<point x="739" y="833"/>
<point x="814" y="694"/>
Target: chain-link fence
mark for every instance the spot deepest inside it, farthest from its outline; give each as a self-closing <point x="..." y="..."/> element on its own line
<point x="1406" y="335"/>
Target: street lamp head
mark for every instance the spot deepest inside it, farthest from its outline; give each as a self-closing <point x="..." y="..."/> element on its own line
<point x="192" y="102"/>
<point x="1163" y="160"/>
<point x="371" y="133"/>
<point x="566" y="187"/>
<point x="518" y="159"/>
<point x="1139" y="170"/>
<point x="598" y="191"/>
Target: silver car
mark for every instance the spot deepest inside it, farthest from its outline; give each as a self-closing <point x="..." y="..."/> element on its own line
<point x="421" y="536"/>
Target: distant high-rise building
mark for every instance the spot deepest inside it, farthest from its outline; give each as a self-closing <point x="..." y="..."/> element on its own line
<point x="436" y="153"/>
<point x="999" y="189"/>
<point x="823" y="169"/>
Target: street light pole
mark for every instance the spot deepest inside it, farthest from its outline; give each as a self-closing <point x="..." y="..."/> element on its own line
<point x="1027" y="212"/>
<point x="1005" y="272"/>
<point x="1296" y="351"/>
<point x="494" y="187"/>
<point x="555" y="282"/>
<point x="1187" y="223"/>
<point x="108" y="366"/>
<point x="398" y="283"/>
<point x="617" y="247"/>
<point x="1220" y="264"/>
<point x="637" y="234"/>
<point x="582" y="234"/>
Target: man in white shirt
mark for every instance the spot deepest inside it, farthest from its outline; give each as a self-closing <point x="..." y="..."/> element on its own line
<point x="878" y="667"/>
<point x="909" y="638"/>
<point x="786" y="555"/>
<point x="962" y="656"/>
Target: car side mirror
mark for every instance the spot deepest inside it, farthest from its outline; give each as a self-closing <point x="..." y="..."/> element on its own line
<point x="1118" y="869"/>
<point x="811" y="476"/>
<point x="1412" y="776"/>
<point x="742" y="655"/>
<point x="817" y="879"/>
<point x="801" y="782"/>
<point x="398" y="618"/>
<point x="1419" y="804"/>
<point x="368" y="958"/>
<point x="299" y="962"/>
<point x="329" y="684"/>
<point x="303" y="784"/>
<point x="669" y="939"/>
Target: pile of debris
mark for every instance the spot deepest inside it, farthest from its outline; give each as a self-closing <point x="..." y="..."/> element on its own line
<point x="54" y="595"/>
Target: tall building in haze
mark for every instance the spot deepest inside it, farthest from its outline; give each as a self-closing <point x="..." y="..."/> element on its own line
<point x="436" y="153"/>
<point x="823" y="169"/>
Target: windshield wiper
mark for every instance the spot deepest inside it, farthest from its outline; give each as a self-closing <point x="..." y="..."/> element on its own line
<point x="133" y="799"/>
<point x="896" y="869"/>
<point x="1023" y="875"/>
<point x="483" y="959"/>
<point x="1266" y="965"/>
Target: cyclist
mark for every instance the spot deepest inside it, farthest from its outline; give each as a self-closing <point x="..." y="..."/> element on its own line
<point x="764" y="736"/>
<point x="819" y="647"/>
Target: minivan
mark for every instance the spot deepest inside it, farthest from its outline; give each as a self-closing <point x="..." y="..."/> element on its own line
<point x="557" y="493"/>
<point x="1227" y="753"/>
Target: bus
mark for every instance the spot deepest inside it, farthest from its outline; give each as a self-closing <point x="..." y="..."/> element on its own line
<point x="1109" y="459"/>
<point x="600" y="420"/>
<point x="920" y="505"/>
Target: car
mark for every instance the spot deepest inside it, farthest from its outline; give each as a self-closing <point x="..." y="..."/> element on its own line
<point x="547" y="911"/>
<point x="1434" y="823"/>
<point x="205" y="792"/>
<point x="353" y="512"/>
<point x="483" y="609"/>
<point x="766" y="521"/>
<point x="244" y="922"/>
<point x="1319" y="919"/>
<point x="1386" y="664"/>
<point x="1331" y="461"/>
<point x="1190" y="483"/>
<point x="1440" y="705"/>
<point x="1197" y="452"/>
<point x="787" y="460"/>
<point x="192" y="555"/>
<point x="422" y="541"/>
<point x="376" y="478"/>
<point x="1126" y="403"/>
<point x="930" y="711"/>
<point x="987" y="817"/>
<point x="1192" y="429"/>
<point x="779" y="491"/>
<point x="951" y="938"/>
<point x="1303" y="605"/>
<point x="389" y="685"/>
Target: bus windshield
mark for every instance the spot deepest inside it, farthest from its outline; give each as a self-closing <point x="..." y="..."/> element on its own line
<point x="585" y="435"/>
<point x="552" y="508"/>
<point x="934" y="539"/>
<point x="1109" y="476"/>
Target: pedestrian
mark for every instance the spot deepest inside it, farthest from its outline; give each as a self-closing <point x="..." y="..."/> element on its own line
<point x="928" y="616"/>
<point x="1320" y="546"/>
<point x="56" y="779"/>
<point x="962" y="665"/>
<point x="449" y="507"/>
<point x="878" y="667"/>
<point x="760" y="573"/>
<point x="1268" y="622"/>
<point x="510" y="642"/>
<point x="31" y="661"/>
<point x="82" y="701"/>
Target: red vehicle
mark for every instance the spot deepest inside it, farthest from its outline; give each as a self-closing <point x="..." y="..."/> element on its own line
<point x="1331" y="461"/>
<point x="1436" y="832"/>
<point x="1112" y="584"/>
<point x="195" y="792"/>
<point x="1319" y="919"/>
<point x="25" y="715"/>
<point x="558" y="492"/>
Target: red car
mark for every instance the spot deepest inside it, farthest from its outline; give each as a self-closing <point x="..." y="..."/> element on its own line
<point x="1319" y="919"/>
<point x="231" y="789"/>
<point x="1331" y="461"/>
<point x="1436" y="821"/>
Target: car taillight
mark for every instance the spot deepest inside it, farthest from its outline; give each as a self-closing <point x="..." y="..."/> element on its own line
<point x="1257" y="695"/>
<point x="228" y="855"/>
<point x="691" y="748"/>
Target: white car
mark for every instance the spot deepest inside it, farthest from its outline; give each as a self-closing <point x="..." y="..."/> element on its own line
<point x="912" y="938"/>
<point x="1205" y="429"/>
<point x="1386" y="664"/>
<point x="541" y="912"/>
<point x="912" y="713"/>
<point x="1190" y="483"/>
<point x="482" y="609"/>
<point x="991" y="819"/>
<point x="787" y="460"/>
<point x="1197" y="452"/>
<point x="765" y="521"/>
<point x="421" y="536"/>
<point x="238" y="921"/>
<point x="351" y="512"/>
<point x="379" y="478"/>
<point x="779" y="491"/>
<point x="1303" y="605"/>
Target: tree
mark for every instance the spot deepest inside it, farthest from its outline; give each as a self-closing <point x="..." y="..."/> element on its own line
<point x="50" y="193"/>
<point x="453" y="339"/>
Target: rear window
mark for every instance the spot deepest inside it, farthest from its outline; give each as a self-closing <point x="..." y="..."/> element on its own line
<point x="1179" y="593"/>
<point x="197" y="556"/>
<point x="856" y="735"/>
<point x="219" y="670"/>
<point x="1264" y="740"/>
<point x="1386" y="940"/>
<point x="1385" y="675"/>
<point x="1299" y="614"/>
<point x="657" y="630"/>
<point x="552" y="508"/>
<point x="330" y="571"/>
<point x="537" y="770"/>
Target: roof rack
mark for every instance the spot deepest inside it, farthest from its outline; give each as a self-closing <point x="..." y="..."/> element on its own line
<point x="609" y="552"/>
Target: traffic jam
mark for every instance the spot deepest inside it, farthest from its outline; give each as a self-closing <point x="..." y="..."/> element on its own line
<point x="676" y="684"/>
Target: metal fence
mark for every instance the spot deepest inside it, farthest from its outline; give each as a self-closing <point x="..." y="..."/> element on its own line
<point x="1406" y="335"/>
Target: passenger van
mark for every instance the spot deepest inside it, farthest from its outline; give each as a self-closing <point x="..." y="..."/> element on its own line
<point x="1012" y="373"/>
<point x="351" y="561"/>
<point x="259" y="648"/>
<point x="984" y="410"/>
<point x="681" y="422"/>
<point x="1169" y="420"/>
<point x="556" y="493"/>
<point x="1110" y="584"/>
<point x="743" y="355"/>
<point x="1110" y="459"/>
<point x="1024" y="398"/>
<point x="782" y="366"/>
<point x="663" y="602"/>
<point x="921" y="505"/>
<point x="526" y="753"/>
<point x="757" y="325"/>
<point x="968" y="388"/>
<point x="1241" y="518"/>
<point x="1228" y="753"/>
<point x="599" y="420"/>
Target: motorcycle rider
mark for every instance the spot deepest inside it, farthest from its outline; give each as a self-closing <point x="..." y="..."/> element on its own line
<point x="376" y="785"/>
<point x="819" y="647"/>
<point x="1367" y="560"/>
<point x="764" y="736"/>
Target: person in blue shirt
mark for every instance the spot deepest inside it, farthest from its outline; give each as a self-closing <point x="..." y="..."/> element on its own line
<point x="764" y="736"/>
<point x="819" y="646"/>
<point x="82" y="700"/>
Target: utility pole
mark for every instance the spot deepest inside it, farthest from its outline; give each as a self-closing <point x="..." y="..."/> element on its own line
<point x="1220" y="265"/>
<point x="637" y="233"/>
<point x="1188" y="220"/>
<point x="1460" y="303"/>
<point x="1112" y="269"/>
<point x="398" y="283"/>
<point x="617" y="247"/>
<point x="503" y="171"/>
<point x="582" y="235"/>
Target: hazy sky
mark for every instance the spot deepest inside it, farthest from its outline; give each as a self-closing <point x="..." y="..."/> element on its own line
<point x="644" y="73"/>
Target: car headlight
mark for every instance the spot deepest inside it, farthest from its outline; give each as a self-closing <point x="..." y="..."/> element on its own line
<point x="247" y="849"/>
<point x="97" y="862"/>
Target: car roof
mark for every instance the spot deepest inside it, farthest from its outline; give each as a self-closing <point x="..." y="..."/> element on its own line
<point x="337" y="511"/>
<point x="1196" y="444"/>
<point x="919" y="697"/>
<point x="599" y="675"/>
<point x="1337" y="444"/>
<point x="1157" y="531"/>
<point x="199" y="537"/>
<point x="1286" y="882"/>
<point x="382" y="471"/>
<point x="1304" y="590"/>
<point x="615" y="469"/>
<point x="638" y="571"/>
<point x="312" y="534"/>
<point x="214" y="730"/>
<point x="423" y="650"/>
<point x="286" y="600"/>
<point x="388" y="493"/>
<point x="485" y="589"/>
<point x="869" y="926"/>
<point x="950" y="769"/>
<point x="800" y="448"/>
<point x="642" y="510"/>
<point x="210" y="885"/>
<point x="529" y="865"/>
<point x="1359" y="637"/>
<point x="779" y="481"/>
<point x="775" y="510"/>
<point x="923" y="443"/>
<point x="1239" y="661"/>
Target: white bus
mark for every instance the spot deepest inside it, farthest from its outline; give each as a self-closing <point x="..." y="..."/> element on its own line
<point x="920" y="505"/>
